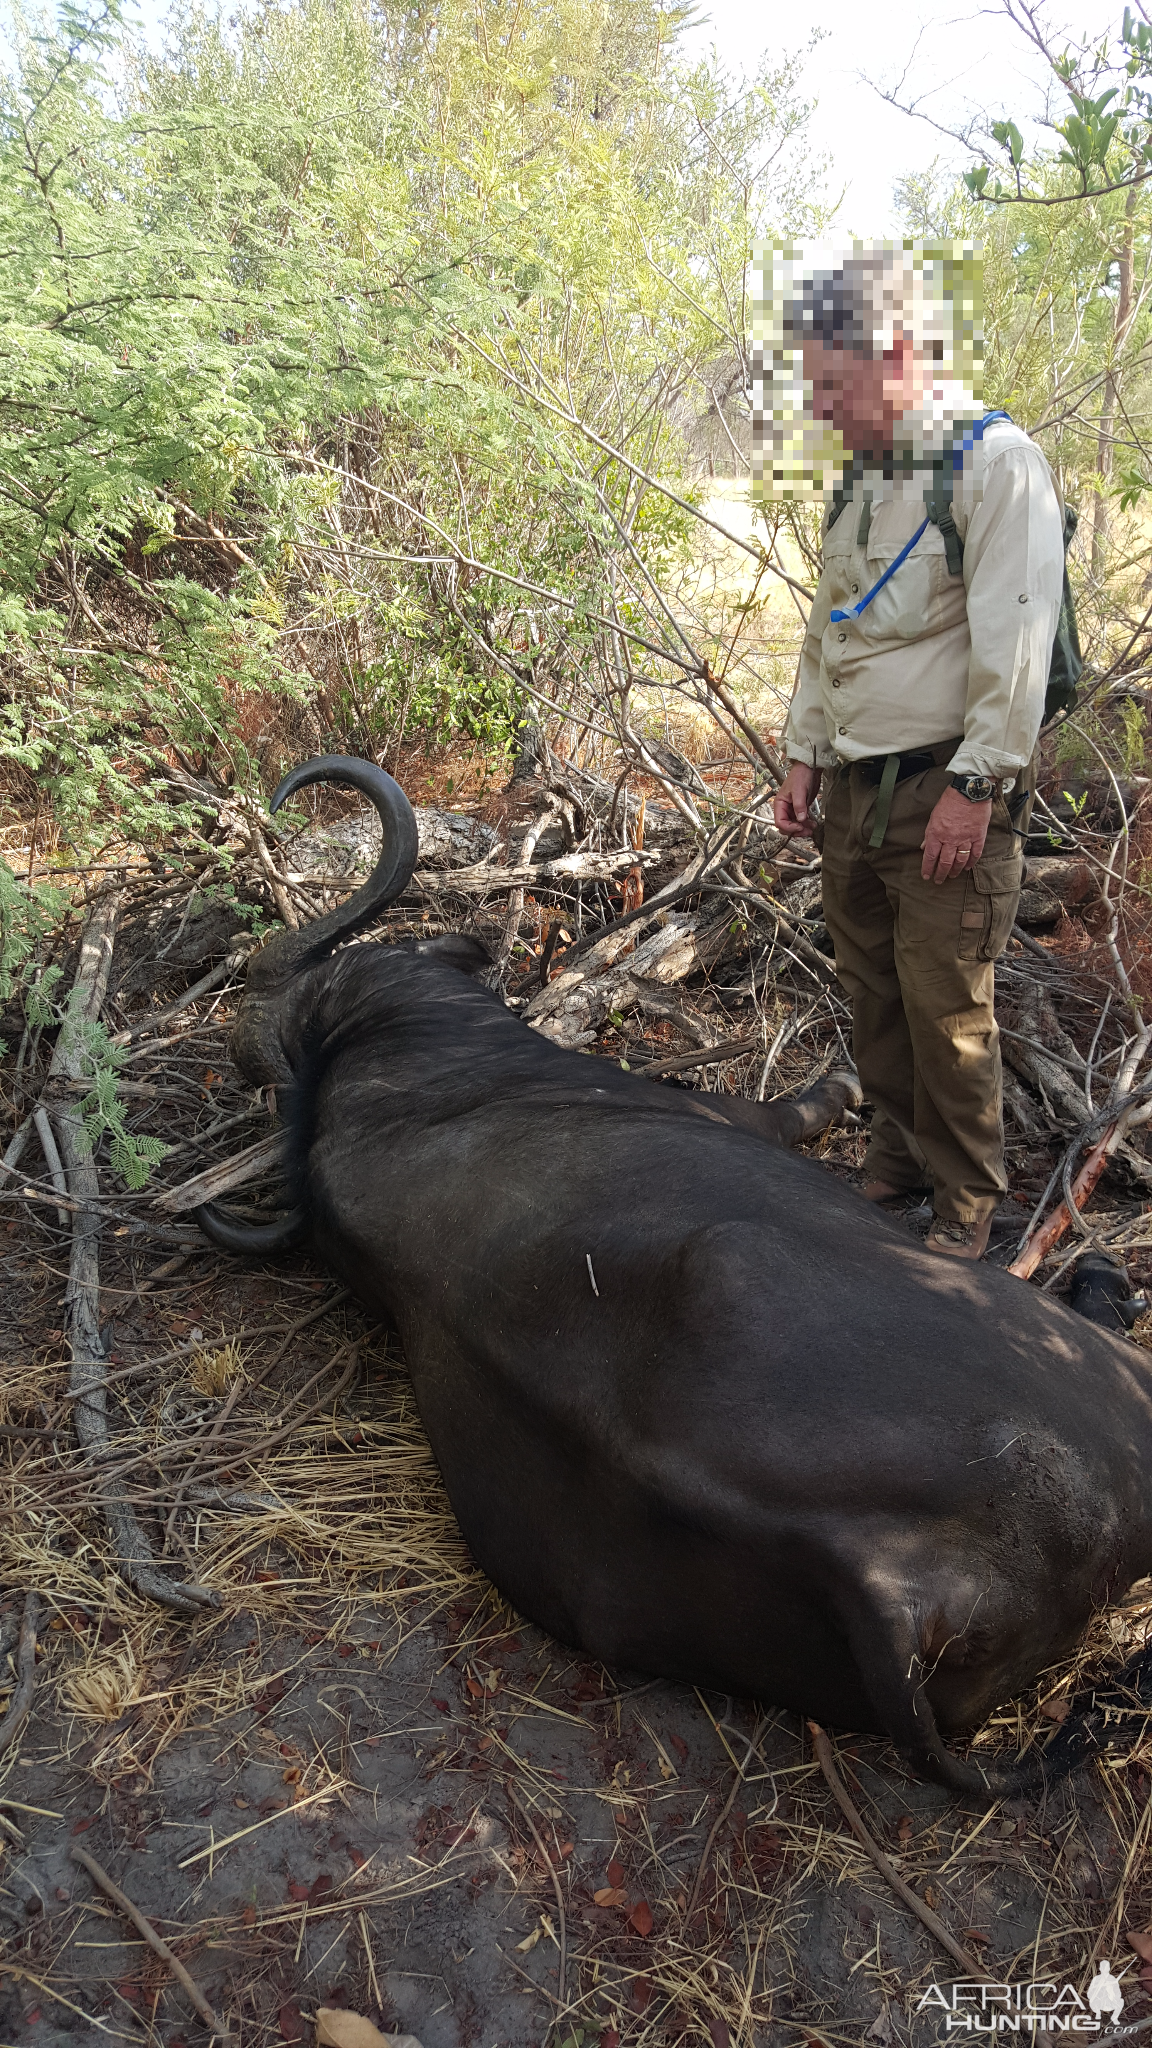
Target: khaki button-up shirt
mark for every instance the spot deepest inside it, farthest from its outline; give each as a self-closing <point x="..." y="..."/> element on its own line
<point x="935" y="656"/>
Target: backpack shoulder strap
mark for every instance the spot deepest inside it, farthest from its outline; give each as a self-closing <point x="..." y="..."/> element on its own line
<point x="940" y="509"/>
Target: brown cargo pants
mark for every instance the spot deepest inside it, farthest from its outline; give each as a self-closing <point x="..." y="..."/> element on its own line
<point x="917" y="960"/>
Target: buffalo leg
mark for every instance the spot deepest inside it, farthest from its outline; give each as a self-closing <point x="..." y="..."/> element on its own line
<point x="795" y="1117"/>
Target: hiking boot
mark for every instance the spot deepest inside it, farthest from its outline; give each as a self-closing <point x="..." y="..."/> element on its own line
<point x="959" y="1240"/>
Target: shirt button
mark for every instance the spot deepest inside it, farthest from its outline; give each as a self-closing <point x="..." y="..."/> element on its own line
<point x="835" y="682"/>
<point x="1023" y="597"/>
<point x="841" y="637"/>
<point x="841" y="729"/>
<point x="855" y="590"/>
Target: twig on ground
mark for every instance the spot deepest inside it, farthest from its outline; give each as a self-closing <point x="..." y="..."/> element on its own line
<point x="721" y="1817"/>
<point x="159" y="1947"/>
<point x="561" y="1988"/>
<point x="20" y="1704"/>
<point x="209" y="981"/>
<point x="923" y="1913"/>
<point x="709" y="1055"/>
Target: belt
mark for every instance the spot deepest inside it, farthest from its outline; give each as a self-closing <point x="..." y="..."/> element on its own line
<point x="873" y="767"/>
<point x="886" y="770"/>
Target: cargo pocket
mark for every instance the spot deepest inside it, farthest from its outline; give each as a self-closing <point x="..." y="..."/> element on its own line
<point x="991" y="894"/>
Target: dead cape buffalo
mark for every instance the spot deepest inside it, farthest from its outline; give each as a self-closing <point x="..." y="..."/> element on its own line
<point x="699" y="1408"/>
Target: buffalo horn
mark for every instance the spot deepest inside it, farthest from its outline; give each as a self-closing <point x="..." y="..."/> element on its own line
<point x="290" y="952"/>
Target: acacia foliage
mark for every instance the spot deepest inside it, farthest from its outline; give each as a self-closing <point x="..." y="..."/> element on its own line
<point x="338" y="345"/>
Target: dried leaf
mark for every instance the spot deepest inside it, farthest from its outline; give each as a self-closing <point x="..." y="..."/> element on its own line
<point x="1056" y="1710"/>
<point x="336" y="2029"/>
<point x="291" y="2021"/>
<point x="640" y="1918"/>
<point x="882" y="2029"/>
<point x="615" y="1872"/>
<point x="1142" y="1943"/>
<point x="525" y="1948"/>
<point x="610" y="1896"/>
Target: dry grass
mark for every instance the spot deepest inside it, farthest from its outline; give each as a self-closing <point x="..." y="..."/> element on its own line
<point x="214" y="1372"/>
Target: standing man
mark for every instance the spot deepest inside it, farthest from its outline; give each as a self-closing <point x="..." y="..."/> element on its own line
<point x="918" y="704"/>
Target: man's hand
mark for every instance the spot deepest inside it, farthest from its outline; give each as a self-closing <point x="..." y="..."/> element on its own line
<point x="955" y="836"/>
<point x="790" y="805"/>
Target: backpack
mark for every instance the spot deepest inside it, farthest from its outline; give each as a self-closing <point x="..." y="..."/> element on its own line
<point x="1067" y="664"/>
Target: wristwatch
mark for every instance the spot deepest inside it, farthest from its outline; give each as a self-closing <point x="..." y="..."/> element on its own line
<point x="979" y="789"/>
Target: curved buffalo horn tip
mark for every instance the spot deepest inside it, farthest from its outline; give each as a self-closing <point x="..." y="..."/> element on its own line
<point x="393" y="870"/>
<point x="290" y="951"/>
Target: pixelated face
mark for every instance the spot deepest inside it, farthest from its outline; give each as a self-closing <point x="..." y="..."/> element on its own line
<point x="865" y="395"/>
<point x="867" y="369"/>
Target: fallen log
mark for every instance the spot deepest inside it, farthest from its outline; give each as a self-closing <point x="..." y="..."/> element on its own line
<point x="487" y="880"/>
<point x="572" y="1008"/>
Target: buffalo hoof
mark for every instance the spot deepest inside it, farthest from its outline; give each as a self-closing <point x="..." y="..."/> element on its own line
<point x="1101" y="1293"/>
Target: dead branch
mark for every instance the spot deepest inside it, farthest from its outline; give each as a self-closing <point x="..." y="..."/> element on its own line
<point x="156" y="1944"/>
<point x="20" y="1704"/>
<point x="929" y="1919"/>
<point x="645" y="996"/>
<point x="486" y="880"/>
<point x="572" y="1008"/>
<point x="82" y="1297"/>
<point x="1040" y="1050"/>
<point x="709" y="1055"/>
<point x="495" y="974"/>
<point x="263" y="1157"/>
<point x="1042" y="1239"/>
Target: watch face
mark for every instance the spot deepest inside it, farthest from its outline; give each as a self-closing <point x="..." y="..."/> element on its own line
<point x="977" y="788"/>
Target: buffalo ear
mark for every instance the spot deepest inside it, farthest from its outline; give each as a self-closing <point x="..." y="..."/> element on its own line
<point x="455" y="949"/>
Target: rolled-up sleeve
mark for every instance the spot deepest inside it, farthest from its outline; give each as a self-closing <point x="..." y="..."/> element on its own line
<point x="1013" y="571"/>
<point x="806" y="733"/>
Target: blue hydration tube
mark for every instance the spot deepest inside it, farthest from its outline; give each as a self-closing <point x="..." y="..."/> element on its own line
<point x="837" y="618"/>
<point x="889" y="572"/>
